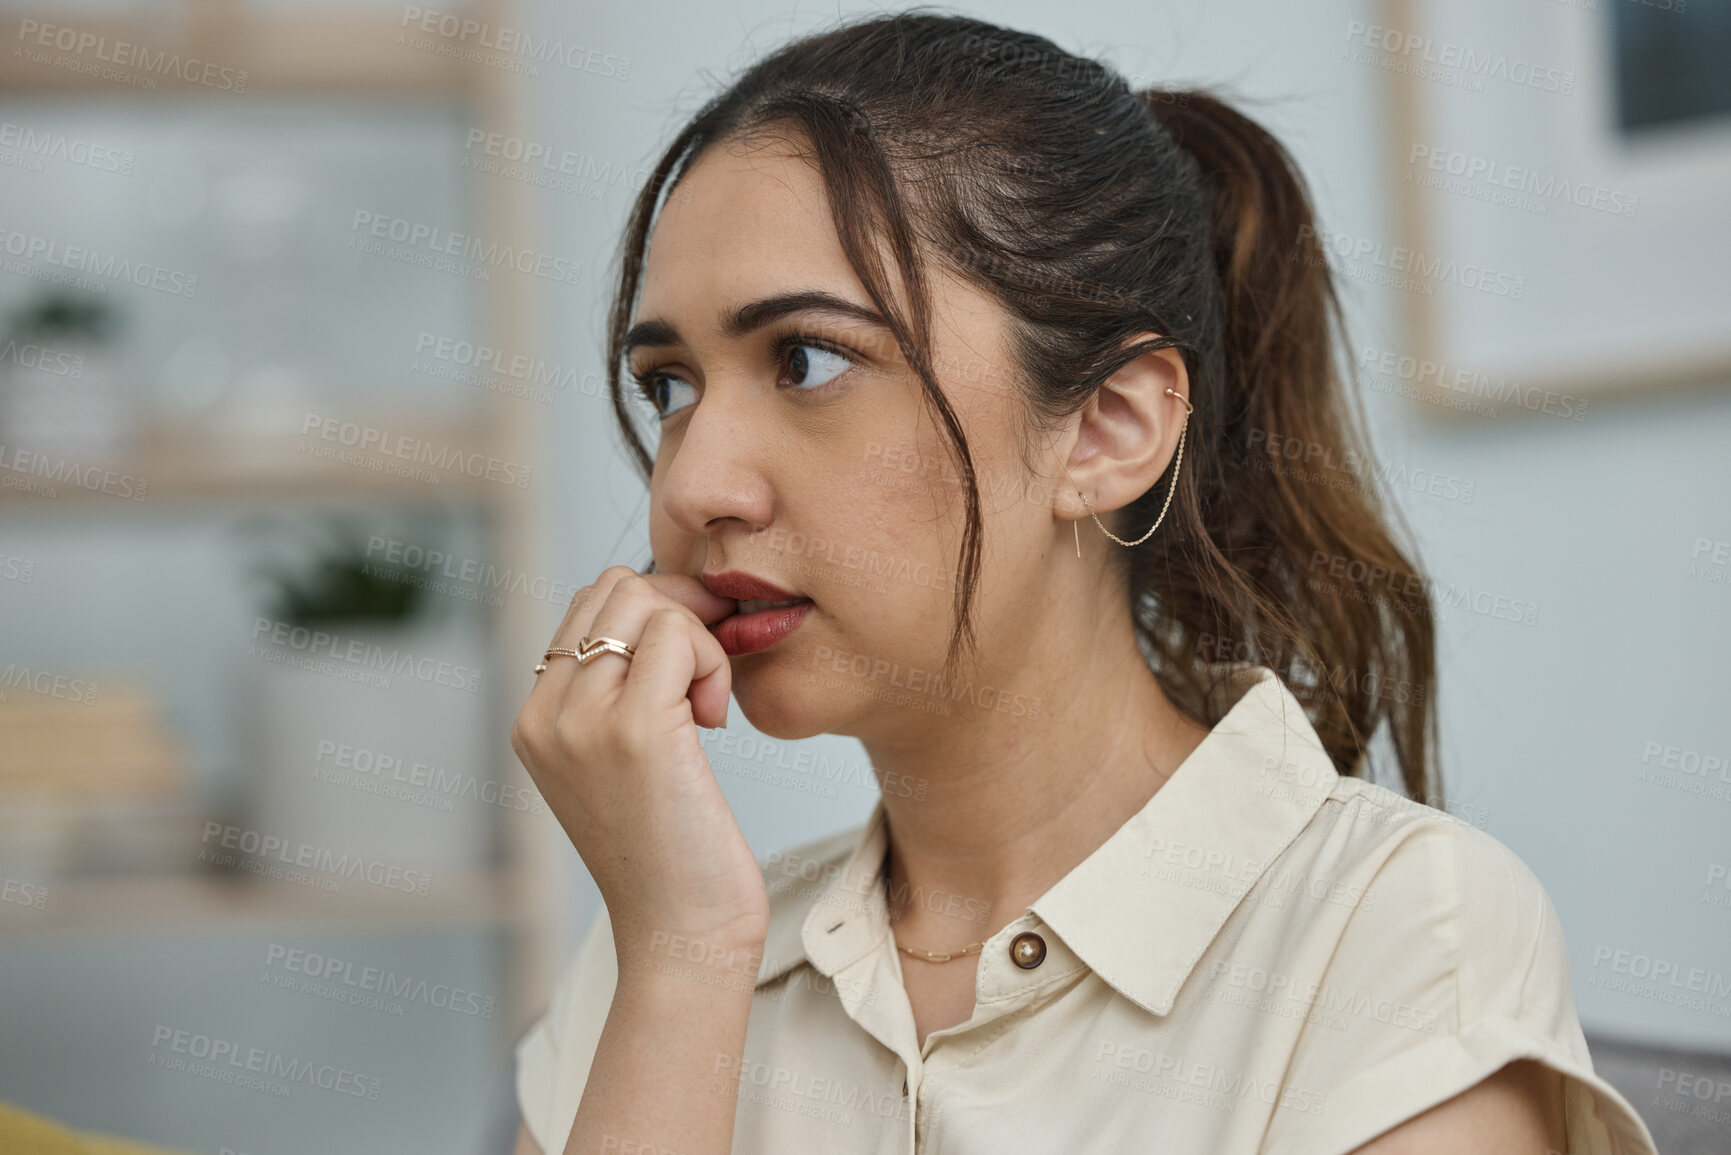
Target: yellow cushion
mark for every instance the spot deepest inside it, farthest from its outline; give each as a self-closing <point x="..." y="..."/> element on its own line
<point x="24" y="1133"/>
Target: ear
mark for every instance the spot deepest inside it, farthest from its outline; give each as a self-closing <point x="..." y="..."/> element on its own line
<point x="1126" y="436"/>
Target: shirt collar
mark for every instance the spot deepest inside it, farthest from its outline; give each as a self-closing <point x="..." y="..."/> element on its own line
<point x="1141" y="909"/>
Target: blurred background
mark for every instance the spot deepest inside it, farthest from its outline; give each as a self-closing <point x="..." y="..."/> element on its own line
<point x="303" y="452"/>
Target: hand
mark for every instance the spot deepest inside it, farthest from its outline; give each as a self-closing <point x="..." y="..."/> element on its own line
<point x="613" y="747"/>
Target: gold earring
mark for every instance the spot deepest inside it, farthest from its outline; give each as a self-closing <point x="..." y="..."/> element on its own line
<point x="1177" y="460"/>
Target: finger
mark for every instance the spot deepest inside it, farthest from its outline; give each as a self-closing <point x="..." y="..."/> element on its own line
<point x="676" y="661"/>
<point x="691" y="593"/>
<point x="631" y="604"/>
<point x="554" y="682"/>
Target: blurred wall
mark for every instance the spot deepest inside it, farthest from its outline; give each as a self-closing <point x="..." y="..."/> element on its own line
<point x="1544" y="727"/>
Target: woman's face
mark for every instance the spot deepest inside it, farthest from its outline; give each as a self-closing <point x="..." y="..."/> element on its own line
<point x="797" y="447"/>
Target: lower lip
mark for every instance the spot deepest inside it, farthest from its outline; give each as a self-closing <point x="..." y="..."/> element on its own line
<point x="749" y="633"/>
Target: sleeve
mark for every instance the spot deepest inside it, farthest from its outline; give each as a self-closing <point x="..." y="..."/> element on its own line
<point x="1458" y="968"/>
<point x="553" y="1056"/>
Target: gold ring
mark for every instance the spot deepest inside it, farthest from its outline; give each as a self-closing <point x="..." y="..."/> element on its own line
<point x="589" y="650"/>
<point x="593" y="649"/>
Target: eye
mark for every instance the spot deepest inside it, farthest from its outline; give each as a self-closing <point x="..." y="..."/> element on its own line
<point x="657" y="388"/>
<point x="811" y="365"/>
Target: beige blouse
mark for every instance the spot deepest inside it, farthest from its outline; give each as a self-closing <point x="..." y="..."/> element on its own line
<point x="1269" y="957"/>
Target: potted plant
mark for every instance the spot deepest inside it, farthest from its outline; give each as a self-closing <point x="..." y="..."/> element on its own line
<point x="367" y="716"/>
<point x="60" y="392"/>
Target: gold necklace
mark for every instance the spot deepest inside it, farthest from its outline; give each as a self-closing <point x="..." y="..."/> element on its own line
<point x="928" y="956"/>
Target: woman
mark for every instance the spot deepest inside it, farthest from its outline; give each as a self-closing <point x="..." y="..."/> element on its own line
<point x="1126" y="887"/>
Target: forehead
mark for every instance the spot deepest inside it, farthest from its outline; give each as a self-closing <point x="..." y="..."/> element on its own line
<point x="748" y="220"/>
<point x="751" y="219"/>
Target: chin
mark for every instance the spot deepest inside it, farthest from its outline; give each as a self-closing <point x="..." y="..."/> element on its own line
<point x="781" y="702"/>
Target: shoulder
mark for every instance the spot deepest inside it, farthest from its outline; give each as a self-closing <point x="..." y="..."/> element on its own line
<point x="1457" y="887"/>
<point x="1458" y="968"/>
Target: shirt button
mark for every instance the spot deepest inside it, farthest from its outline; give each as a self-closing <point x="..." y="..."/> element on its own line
<point x="1027" y="950"/>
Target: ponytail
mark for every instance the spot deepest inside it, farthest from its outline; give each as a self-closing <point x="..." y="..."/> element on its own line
<point x="1330" y="599"/>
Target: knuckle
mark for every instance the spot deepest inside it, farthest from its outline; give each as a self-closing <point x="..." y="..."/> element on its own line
<point x="668" y="617"/>
<point x="570" y="732"/>
<point x="523" y="729"/>
<point x="634" y="586"/>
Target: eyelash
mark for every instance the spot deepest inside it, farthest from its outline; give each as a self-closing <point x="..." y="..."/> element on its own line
<point x="785" y="344"/>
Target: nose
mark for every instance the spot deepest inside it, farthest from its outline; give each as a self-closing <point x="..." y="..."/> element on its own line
<point x="716" y="470"/>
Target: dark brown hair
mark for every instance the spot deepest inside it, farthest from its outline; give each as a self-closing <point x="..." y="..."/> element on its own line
<point x="1093" y="213"/>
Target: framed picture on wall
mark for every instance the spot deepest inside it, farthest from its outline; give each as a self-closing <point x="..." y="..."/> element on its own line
<point x="1563" y="200"/>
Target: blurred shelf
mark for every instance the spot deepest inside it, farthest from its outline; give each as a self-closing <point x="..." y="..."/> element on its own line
<point x="235" y="49"/>
<point x="134" y="57"/>
<point x="168" y="468"/>
<point x="216" y="903"/>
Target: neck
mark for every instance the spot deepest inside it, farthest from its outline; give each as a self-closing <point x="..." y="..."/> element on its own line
<point x="990" y="810"/>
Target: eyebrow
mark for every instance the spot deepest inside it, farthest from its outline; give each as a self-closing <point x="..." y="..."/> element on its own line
<point x="755" y="315"/>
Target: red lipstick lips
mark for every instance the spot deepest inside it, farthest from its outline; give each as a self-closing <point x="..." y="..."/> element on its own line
<point x="761" y="627"/>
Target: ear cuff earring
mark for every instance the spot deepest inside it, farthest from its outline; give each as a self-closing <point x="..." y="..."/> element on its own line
<point x="1177" y="460"/>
